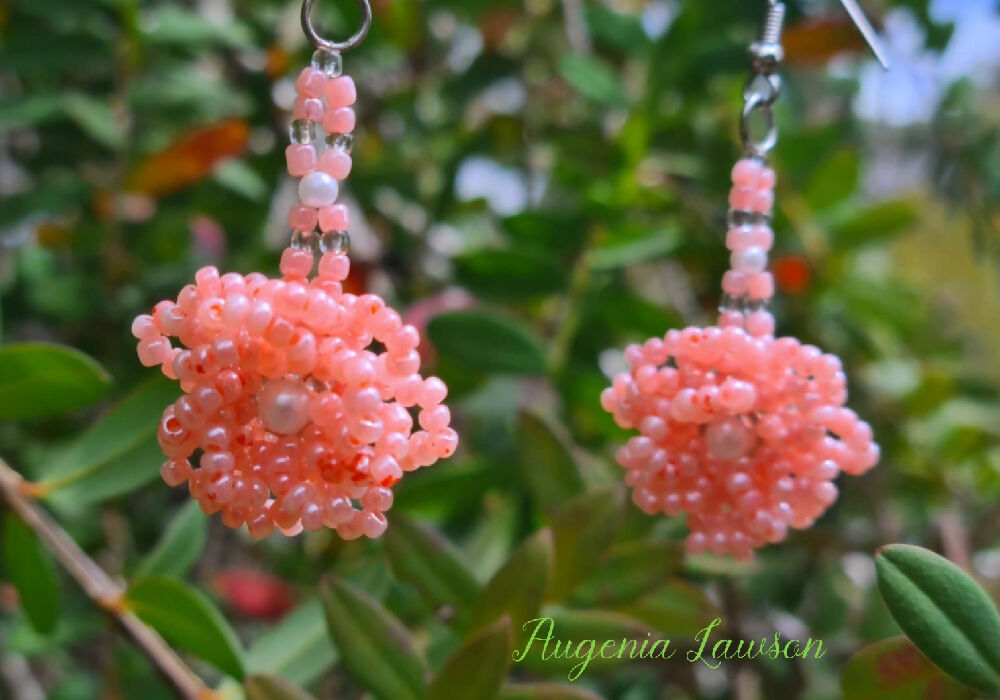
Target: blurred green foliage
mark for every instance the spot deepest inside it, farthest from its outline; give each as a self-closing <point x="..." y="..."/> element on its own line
<point x="538" y="183"/>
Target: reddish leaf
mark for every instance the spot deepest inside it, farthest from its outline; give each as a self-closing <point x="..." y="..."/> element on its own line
<point x="816" y="40"/>
<point x="190" y="158"/>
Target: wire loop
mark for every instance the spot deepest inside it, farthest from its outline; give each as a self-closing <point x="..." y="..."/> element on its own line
<point x="336" y="46"/>
<point x="759" y="148"/>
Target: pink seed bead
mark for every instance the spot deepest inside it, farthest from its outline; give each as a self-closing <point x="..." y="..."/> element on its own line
<point x="377" y="498"/>
<point x="334" y="218"/>
<point x="763" y="202"/>
<point x="302" y="218"/>
<point x="144" y="328"/>
<point x="335" y="162"/>
<point x="741" y="198"/>
<point x="760" y="285"/>
<point x="153" y="352"/>
<point x="445" y="442"/>
<point x="310" y="108"/>
<point x="739" y="237"/>
<point x="746" y="172"/>
<point x="296" y="263"/>
<point x="373" y="524"/>
<point x="762" y="237"/>
<point x="311" y="82"/>
<point x="341" y="92"/>
<point x="207" y="280"/>
<point x="434" y="419"/>
<point x="760" y="323"/>
<point x="334" y="266"/>
<point x="731" y="319"/>
<point x="339" y="121"/>
<point x="260" y="317"/>
<point x="301" y="159"/>
<point x="432" y="393"/>
<point x="734" y="282"/>
<point x="766" y="179"/>
<point x="175" y="471"/>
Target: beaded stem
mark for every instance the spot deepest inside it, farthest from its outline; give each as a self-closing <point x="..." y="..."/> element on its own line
<point x="748" y="287"/>
<point x="325" y="100"/>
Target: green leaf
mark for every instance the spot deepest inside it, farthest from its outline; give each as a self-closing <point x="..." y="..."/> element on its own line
<point x="115" y="456"/>
<point x="29" y="110"/>
<point x="32" y="573"/>
<point x="298" y="649"/>
<point x="893" y="669"/>
<point x="548" y="468"/>
<point x="95" y="118"/>
<point x="39" y="380"/>
<point x="625" y="246"/>
<point x="545" y="691"/>
<point x="374" y="646"/>
<point x="173" y="25"/>
<point x="487" y="342"/>
<point x="510" y="274"/>
<point x="236" y="175"/>
<point x="582" y="530"/>
<point x="677" y="608"/>
<point x="422" y="555"/>
<point x="874" y="224"/>
<point x="593" y="78"/>
<point x="180" y="545"/>
<point x="262" y="687"/>
<point x="833" y="180"/>
<point x="628" y="571"/>
<point x="517" y="589"/>
<point x="944" y="613"/>
<point x="478" y="668"/>
<point x="188" y="620"/>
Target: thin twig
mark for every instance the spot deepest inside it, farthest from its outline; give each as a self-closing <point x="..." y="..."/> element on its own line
<point x="99" y="586"/>
<point x="576" y="26"/>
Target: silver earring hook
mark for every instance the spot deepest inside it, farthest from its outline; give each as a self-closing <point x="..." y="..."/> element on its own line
<point x="867" y="31"/>
<point x="336" y="46"/>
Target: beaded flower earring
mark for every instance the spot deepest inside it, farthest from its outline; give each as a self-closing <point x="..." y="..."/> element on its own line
<point x="742" y="431"/>
<point x="293" y="417"/>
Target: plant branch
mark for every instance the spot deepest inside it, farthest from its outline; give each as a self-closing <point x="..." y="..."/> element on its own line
<point x="99" y="586"/>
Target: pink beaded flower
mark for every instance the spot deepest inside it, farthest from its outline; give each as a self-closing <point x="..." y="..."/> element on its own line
<point x="742" y="431"/>
<point x="294" y="418"/>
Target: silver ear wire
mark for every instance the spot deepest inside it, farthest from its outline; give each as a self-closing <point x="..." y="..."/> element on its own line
<point x="763" y="87"/>
<point x="867" y="31"/>
<point x="336" y="46"/>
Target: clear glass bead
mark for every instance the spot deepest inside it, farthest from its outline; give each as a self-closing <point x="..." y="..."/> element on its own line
<point x="302" y="131"/>
<point x="730" y="302"/>
<point x="330" y="62"/>
<point x="335" y="242"/>
<point x="342" y="142"/>
<point x="753" y="305"/>
<point x="302" y="240"/>
<point x="737" y="218"/>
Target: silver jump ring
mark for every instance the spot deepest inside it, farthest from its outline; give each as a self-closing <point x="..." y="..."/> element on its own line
<point x="773" y="85"/>
<point x="764" y="146"/>
<point x="336" y="46"/>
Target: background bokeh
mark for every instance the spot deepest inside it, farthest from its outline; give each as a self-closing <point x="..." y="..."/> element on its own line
<point x="560" y="169"/>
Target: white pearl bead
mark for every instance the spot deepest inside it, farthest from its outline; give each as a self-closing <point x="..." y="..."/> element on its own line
<point x="283" y="406"/>
<point x="749" y="260"/>
<point x="729" y="439"/>
<point x="318" y="189"/>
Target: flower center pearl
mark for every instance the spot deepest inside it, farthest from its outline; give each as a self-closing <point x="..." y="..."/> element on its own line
<point x="283" y="406"/>
<point x="729" y="438"/>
